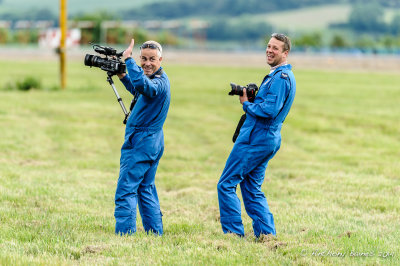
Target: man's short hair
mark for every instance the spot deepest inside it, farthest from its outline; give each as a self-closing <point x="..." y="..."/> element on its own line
<point x="152" y="45"/>
<point x="283" y="38"/>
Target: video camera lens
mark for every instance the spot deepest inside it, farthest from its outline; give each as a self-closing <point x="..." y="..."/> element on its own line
<point x="96" y="61"/>
<point x="110" y="65"/>
<point x="89" y="60"/>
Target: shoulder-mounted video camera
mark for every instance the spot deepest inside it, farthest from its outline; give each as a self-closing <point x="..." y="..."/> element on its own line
<point x="251" y="90"/>
<point x="111" y="63"/>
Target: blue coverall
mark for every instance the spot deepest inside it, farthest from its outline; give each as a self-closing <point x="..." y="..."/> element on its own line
<point x="258" y="141"/>
<point x="141" y="151"/>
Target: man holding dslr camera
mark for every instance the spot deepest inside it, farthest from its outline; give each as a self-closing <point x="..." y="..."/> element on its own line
<point x="258" y="141"/>
<point x="144" y="140"/>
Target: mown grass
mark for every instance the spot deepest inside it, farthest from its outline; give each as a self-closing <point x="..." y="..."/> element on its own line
<point x="333" y="187"/>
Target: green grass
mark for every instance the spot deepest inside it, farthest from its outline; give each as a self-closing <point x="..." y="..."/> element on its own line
<point x="333" y="187"/>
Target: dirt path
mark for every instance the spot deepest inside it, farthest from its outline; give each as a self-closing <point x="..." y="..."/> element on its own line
<point x="299" y="61"/>
<point x="381" y="63"/>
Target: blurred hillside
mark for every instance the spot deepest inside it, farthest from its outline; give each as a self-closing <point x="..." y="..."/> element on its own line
<point x="24" y="7"/>
<point x="177" y="8"/>
<point x="314" y="25"/>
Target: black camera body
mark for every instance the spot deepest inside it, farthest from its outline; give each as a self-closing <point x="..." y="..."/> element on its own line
<point x="112" y="65"/>
<point x="251" y="90"/>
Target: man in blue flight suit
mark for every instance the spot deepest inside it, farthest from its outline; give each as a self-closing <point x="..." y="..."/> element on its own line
<point x="144" y="140"/>
<point x="258" y="141"/>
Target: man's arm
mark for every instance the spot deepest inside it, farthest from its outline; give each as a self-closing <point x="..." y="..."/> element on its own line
<point x="136" y="80"/>
<point x="127" y="83"/>
<point x="123" y="76"/>
<point x="141" y="82"/>
<point x="272" y="102"/>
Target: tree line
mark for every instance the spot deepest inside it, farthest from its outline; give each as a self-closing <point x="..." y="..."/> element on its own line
<point x="369" y="17"/>
<point x="183" y="8"/>
<point x="209" y="8"/>
<point x="366" y="24"/>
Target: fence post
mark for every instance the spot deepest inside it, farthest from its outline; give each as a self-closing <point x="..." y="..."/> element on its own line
<point x="63" y="29"/>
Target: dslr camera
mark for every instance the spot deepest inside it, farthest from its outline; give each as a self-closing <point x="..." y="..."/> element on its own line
<point x="111" y="63"/>
<point x="251" y="90"/>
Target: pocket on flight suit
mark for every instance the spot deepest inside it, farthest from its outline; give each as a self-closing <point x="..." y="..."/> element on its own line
<point x="263" y="136"/>
<point x="244" y="134"/>
<point x="150" y="144"/>
<point x="258" y="137"/>
<point x="135" y="138"/>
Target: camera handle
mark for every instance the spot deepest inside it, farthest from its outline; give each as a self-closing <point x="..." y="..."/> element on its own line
<point x="121" y="103"/>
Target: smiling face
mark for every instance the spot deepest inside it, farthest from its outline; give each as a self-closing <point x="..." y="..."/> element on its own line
<point x="150" y="61"/>
<point x="275" y="53"/>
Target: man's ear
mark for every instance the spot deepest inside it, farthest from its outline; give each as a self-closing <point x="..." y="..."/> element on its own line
<point x="286" y="53"/>
<point x="160" y="58"/>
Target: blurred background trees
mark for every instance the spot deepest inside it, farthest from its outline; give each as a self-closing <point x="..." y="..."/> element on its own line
<point x="245" y="24"/>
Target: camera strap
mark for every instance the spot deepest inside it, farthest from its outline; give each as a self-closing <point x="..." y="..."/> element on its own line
<point x="157" y="74"/>
<point x="134" y="100"/>
<point x="238" y="127"/>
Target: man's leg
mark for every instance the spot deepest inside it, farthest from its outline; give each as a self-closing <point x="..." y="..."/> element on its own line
<point x="149" y="205"/>
<point x="132" y="169"/>
<point x="229" y="203"/>
<point x="254" y="199"/>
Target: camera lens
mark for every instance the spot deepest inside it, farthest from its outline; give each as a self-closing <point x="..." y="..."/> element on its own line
<point x="89" y="60"/>
<point x="236" y="90"/>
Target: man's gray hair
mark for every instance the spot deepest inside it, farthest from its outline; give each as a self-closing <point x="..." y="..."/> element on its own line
<point x="152" y="45"/>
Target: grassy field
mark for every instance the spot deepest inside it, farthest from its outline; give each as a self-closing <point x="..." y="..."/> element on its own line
<point x="333" y="187"/>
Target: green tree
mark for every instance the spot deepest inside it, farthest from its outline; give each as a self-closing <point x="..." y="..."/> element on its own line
<point x="313" y="40"/>
<point x="367" y="17"/>
<point x="389" y="42"/>
<point x="395" y="24"/>
<point x="94" y="34"/>
<point x="140" y="36"/>
<point x="365" y="42"/>
<point x="185" y="8"/>
<point x="244" y="30"/>
<point x="3" y="35"/>
<point x="167" y="38"/>
<point x="338" y="41"/>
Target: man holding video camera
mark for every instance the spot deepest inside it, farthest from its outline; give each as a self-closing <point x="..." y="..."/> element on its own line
<point x="258" y="141"/>
<point x="144" y="140"/>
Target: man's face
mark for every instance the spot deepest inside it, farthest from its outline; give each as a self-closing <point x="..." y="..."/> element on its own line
<point x="275" y="53"/>
<point x="150" y="61"/>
